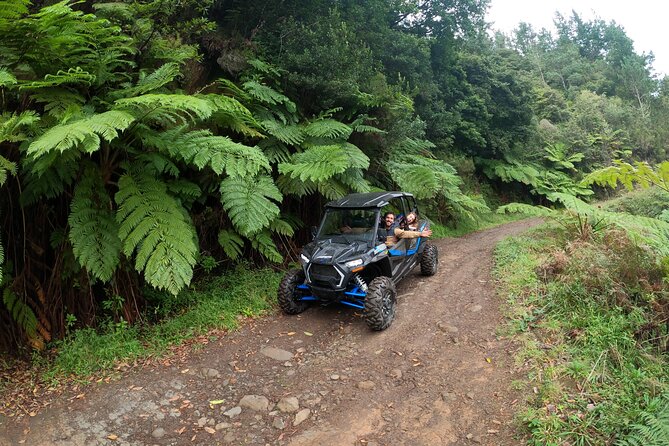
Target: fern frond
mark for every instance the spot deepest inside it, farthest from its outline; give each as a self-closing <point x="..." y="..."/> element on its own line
<point x="232" y="114"/>
<point x="6" y="167"/>
<point x="21" y="313"/>
<point x="48" y="175"/>
<point x="248" y="202"/>
<point x="234" y="90"/>
<point x="13" y="9"/>
<point x="231" y="242"/>
<point x="288" y="134"/>
<point x="332" y="189"/>
<point x="265" y="94"/>
<point x="187" y="191"/>
<point x="328" y="128"/>
<point x="59" y="102"/>
<point x="526" y="173"/>
<point x="652" y="428"/>
<point x="167" y="109"/>
<point x="158" y="163"/>
<point x="93" y="229"/>
<point x="7" y="79"/>
<point x="12" y="126"/>
<point x="282" y="227"/>
<point x="84" y="133"/>
<point x="263" y="243"/>
<point x="73" y="76"/>
<point x="317" y="164"/>
<point x="275" y="151"/>
<point x="200" y="148"/>
<point x="294" y="186"/>
<point x="158" y="229"/>
<point x="157" y="79"/>
<point x="355" y="180"/>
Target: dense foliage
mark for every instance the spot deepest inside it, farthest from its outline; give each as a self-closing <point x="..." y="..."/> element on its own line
<point x="144" y="141"/>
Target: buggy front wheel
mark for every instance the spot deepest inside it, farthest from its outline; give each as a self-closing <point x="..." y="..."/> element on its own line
<point x="380" y="303"/>
<point x="289" y="295"/>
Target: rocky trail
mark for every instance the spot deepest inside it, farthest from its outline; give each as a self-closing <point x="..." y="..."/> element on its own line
<point x="440" y="375"/>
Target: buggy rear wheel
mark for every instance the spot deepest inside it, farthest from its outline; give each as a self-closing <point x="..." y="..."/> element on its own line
<point x="380" y="303"/>
<point x="289" y="295"/>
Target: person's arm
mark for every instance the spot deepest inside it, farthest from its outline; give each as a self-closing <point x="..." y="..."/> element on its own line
<point x="401" y="233"/>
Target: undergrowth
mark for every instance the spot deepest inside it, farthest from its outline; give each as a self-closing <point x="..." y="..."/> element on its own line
<point x="591" y="314"/>
<point x="214" y="304"/>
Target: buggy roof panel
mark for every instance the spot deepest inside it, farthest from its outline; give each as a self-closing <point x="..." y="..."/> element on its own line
<point x="368" y="200"/>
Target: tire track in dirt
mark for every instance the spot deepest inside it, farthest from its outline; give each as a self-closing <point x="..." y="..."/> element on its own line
<point x="439" y="375"/>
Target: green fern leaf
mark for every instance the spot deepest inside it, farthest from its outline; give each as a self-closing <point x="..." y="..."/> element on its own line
<point x="158" y="163"/>
<point x="167" y="109"/>
<point x="158" y="229"/>
<point x="21" y="313"/>
<point x="282" y="227"/>
<point x="294" y="186"/>
<point x="93" y="230"/>
<point x="328" y="128"/>
<point x="231" y="242"/>
<point x="12" y="126"/>
<point x="186" y="191"/>
<point x="265" y="94"/>
<point x="159" y="78"/>
<point x="526" y="209"/>
<point x="317" y="164"/>
<point x="48" y="175"/>
<point x="652" y="428"/>
<point x="84" y="133"/>
<point x="7" y="79"/>
<point x="248" y="202"/>
<point x="263" y="243"/>
<point x="13" y="9"/>
<point x="73" y="76"/>
<point x="288" y="134"/>
<point x="59" y="102"/>
<point x="6" y="167"/>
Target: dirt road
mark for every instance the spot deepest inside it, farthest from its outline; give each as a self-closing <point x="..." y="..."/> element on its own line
<point x="440" y="375"/>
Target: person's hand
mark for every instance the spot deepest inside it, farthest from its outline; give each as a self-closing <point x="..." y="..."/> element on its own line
<point x="426" y="233"/>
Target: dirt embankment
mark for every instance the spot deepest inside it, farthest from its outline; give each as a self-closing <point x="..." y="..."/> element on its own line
<point x="440" y="375"/>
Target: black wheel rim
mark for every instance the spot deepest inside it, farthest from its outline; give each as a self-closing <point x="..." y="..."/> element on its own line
<point x="387" y="308"/>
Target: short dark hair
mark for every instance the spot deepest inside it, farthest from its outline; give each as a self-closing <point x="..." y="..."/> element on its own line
<point x="388" y="213"/>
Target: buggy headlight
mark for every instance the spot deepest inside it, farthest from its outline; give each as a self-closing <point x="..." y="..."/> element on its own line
<point x="353" y="263"/>
<point x="304" y="258"/>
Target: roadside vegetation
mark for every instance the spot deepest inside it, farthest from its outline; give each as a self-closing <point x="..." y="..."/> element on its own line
<point x="590" y="309"/>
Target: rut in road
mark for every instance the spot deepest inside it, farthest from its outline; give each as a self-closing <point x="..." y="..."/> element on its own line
<point x="440" y="375"/>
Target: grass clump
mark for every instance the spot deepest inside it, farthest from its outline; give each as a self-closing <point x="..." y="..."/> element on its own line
<point x="214" y="304"/>
<point x="591" y="313"/>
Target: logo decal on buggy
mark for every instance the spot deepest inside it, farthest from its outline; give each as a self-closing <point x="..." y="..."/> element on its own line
<point x="380" y="248"/>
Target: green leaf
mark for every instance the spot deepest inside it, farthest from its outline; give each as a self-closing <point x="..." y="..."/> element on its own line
<point x="93" y="229"/>
<point x="248" y="202"/>
<point x="84" y="133"/>
<point x="231" y="242"/>
<point x="155" y="226"/>
<point x="328" y="128"/>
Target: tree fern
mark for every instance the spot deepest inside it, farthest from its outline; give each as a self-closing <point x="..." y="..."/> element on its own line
<point x="83" y="133"/>
<point x="72" y="76"/>
<point x="13" y="126"/>
<point x="627" y="174"/>
<point x="250" y="202"/>
<point x="266" y="94"/>
<point x="93" y="229"/>
<point x="48" y="175"/>
<point x="151" y="82"/>
<point x="288" y="134"/>
<point x="158" y="229"/>
<point x="7" y="79"/>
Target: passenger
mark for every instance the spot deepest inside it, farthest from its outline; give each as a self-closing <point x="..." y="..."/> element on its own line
<point x="410" y="229"/>
<point x="393" y="233"/>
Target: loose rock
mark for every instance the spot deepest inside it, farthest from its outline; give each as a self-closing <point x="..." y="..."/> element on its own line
<point x="366" y="385"/>
<point x="276" y="353"/>
<point x="279" y="423"/>
<point x="158" y="433"/>
<point x="301" y="416"/>
<point x="255" y="402"/>
<point x="233" y="412"/>
<point x="289" y="404"/>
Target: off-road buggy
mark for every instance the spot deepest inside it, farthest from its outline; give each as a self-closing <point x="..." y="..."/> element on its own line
<point x="349" y="262"/>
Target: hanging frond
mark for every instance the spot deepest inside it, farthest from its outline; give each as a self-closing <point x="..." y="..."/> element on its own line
<point x="200" y="148"/>
<point x="526" y="209"/>
<point x="328" y="128"/>
<point x="332" y="189"/>
<point x="275" y="151"/>
<point x="282" y="227"/>
<point x="640" y="173"/>
<point x="355" y="180"/>
<point x="264" y="67"/>
<point x="6" y="167"/>
<point x="263" y="243"/>
<point x="294" y="186"/>
<point x="158" y="163"/>
<point x="359" y="126"/>
<point x="93" y="229"/>
<point x="232" y="114"/>
<point x="21" y="313"/>
<point x="288" y="134"/>
<point x="155" y="226"/>
<point x="59" y="102"/>
<point x="233" y="89"/>
<point x="84" y="133"/>
<point x="167" y="109"/>
<point x="508" y="172"/>
<point x="266" y="94"/>
<point x="231" y="242"/>
<point x="48" y="175"/>
<point x="250" y="202"/>
<point x="187" y="191"/>
<point x="317" y="164"/>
